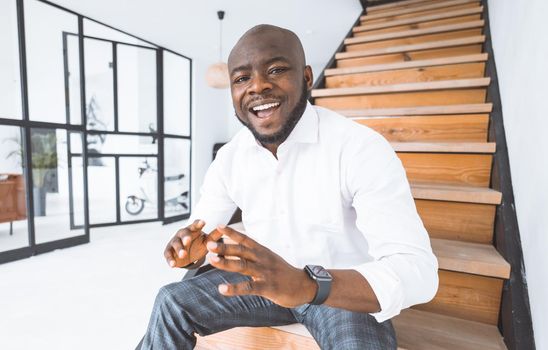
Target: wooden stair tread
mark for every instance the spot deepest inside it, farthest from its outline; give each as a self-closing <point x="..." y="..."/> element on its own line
<point x="415" y="32"/>
<point x="474" y="258"/>
<point x="407" y="64"/>
<point x="373" y="7"/>
<point x="430" y="331"/>
<point x="421" y="86"/>
<point x="396" y="12"/>
<point x="445" y="147"/>
<point x="412" y="47"/>
<point x="419" y="19"/>
<point x="415" y="330"/>
<point x="421" y="110"/>
<point x="455" y="193"/>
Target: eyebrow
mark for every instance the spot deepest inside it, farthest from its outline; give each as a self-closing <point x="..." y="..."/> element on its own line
<point x="267" y="62"/>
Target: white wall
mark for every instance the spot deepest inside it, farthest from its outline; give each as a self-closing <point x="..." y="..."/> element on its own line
<point x="521" y="54"/>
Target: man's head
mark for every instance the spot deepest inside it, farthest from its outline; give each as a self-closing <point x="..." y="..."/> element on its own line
<point x="269" y="81"/>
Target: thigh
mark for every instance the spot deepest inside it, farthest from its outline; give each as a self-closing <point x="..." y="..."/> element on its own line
<point x="335" y="328"/>
<point x="199" y="300"/>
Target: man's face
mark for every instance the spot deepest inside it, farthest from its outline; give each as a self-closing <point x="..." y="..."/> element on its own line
<point x="269" y="85"/>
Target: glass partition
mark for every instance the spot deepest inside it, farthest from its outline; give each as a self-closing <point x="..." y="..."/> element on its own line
<point x="176" y="94"/>
<point x="10" y="81"/>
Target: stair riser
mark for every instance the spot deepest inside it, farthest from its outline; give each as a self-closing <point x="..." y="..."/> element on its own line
<point x="404" y="99"/>
<point x="410" y="56"/>
<point x="374" y="10"/>
<point x="464" y="128"/>
<point x="425" y="74"/>
<point x="419" y="13"/>
<point x="466" y="296"/>
<point x="450" y="169"/>
<point x="469" y="222"/>
<point x="420" y="25"/>
<point x="413" y="40"/>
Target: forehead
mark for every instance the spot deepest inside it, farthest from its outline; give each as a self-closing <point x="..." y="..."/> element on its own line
<point x="261" y="49"/>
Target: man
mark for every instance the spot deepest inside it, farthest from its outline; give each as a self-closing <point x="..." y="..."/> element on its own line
<point x="315" y="189"/>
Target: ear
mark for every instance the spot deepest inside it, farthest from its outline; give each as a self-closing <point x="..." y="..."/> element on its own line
<point x="308" y="77"/>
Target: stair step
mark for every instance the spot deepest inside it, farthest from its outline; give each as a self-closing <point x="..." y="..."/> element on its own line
<point x="371" y="7"/>
<point x="445" y="147"/>
<point x="415" y="32"/>
<point x="479" y="39"/>
<point x="475" y="258"/>
<point x="420" y="19"/>
<point x="430" y="331"/>
<point x="482" y="57"/>
<point x="399" y="4"/>
<point x="418" y="111"/>
<point x="396" y="12"/>
<point x="455" y="193"/>
<point x="422" y="86"/>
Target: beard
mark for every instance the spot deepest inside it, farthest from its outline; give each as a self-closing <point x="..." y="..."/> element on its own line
<point x="282" y="134"/>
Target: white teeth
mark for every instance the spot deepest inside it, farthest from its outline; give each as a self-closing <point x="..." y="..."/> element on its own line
<point x="266" y="106"/>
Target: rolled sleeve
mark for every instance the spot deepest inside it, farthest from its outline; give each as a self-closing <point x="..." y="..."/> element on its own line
<point x="403" y="270"/>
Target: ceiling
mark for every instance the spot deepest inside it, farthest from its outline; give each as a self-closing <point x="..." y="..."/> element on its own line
<point x="192" y="27"/>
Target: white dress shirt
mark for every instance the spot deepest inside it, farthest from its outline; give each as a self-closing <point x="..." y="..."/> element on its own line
<point x="337" y="196"/>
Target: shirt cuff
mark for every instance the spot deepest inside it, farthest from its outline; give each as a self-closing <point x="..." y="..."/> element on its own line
<point x="387" y="287"/>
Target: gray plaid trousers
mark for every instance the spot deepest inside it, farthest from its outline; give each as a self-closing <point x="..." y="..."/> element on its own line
<point x="194" y="306"/>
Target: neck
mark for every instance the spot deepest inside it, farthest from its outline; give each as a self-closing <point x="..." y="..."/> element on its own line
<point x="272" y="147"/>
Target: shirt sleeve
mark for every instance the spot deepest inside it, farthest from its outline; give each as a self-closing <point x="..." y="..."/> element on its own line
<point x="403" y="271"/>
<point x="215" y="206"/>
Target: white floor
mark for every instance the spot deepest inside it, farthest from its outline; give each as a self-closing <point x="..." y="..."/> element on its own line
<point x="95" y="296"/>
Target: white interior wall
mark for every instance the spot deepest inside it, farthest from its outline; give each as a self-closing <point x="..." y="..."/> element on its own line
<point x="521" y="51"/>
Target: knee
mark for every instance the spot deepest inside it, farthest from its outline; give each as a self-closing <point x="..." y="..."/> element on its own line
<point x="175" y="296"/>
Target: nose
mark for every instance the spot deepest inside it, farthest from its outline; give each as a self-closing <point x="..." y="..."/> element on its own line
<point x="259" y="84"/>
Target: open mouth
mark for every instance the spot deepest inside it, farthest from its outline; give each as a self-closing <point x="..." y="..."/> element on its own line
<point x="264" y="110"/>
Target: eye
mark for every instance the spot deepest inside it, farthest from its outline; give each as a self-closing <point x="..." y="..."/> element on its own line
<point x="277" y="70"/>
<point x="241" y="79"/>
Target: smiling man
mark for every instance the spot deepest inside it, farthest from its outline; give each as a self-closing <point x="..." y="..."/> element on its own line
<point x="333" y="239"/>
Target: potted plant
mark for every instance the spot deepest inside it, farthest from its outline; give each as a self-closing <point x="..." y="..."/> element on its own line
<point x="44" y="167"/>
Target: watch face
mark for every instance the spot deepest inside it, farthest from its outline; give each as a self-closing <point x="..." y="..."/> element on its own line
<point x="319" y="272"/>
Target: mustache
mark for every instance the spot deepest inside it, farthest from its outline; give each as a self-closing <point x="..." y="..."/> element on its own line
<point x="261" y="98"/>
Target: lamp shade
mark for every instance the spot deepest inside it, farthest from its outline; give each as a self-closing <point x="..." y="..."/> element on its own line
<point x="217" y="76"/>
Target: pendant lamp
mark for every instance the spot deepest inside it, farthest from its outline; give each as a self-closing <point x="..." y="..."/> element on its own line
<point x="217" y="73"/>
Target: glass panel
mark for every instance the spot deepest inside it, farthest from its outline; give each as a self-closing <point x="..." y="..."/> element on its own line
<point x="102" y="190"/>
<point x="46" y="63"/>
<point x="73" y="78"/>
<point x="13" y="210"/>
<point x="57" y="187"/>
<point x="136" y="89"/>
<point x="121" y="144"/>
<point x="99" y="85"/>
<point x="97" y="30"/>
<point x="139" y="189"/>
<point x="177" y="176"/>
<point x="176" y="94"/>
<point x="10" y="83"/>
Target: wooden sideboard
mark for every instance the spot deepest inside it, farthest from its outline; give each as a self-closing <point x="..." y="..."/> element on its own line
<point x="12" y="198"/>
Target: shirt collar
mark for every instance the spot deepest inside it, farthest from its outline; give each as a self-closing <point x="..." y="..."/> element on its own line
<point x="306" y="130"/>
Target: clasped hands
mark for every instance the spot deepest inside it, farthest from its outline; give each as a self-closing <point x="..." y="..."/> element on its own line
<point x="271" y="276"/>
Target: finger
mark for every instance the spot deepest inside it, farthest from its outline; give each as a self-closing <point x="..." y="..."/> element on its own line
<point x="243" y="288"/>
<point x="168" y="255"/>
<point x="177" y="247"/>
<point x="237" y="237"/>
<point x="214" y="236"/>
<point x="236" y="250"/>
<point x="242" y="266"/>
<point x="197" y="225"/>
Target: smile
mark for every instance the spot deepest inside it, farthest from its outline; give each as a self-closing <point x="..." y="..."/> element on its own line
<point x="265" y="110"/>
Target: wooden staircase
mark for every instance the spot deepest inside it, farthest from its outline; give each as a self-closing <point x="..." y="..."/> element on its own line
<point x="414" y="71"/>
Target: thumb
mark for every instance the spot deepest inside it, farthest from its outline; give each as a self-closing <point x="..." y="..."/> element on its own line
<point x="214" y="235"/>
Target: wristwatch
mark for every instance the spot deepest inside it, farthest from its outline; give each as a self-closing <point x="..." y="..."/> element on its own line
<point x="323" y="280"/>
